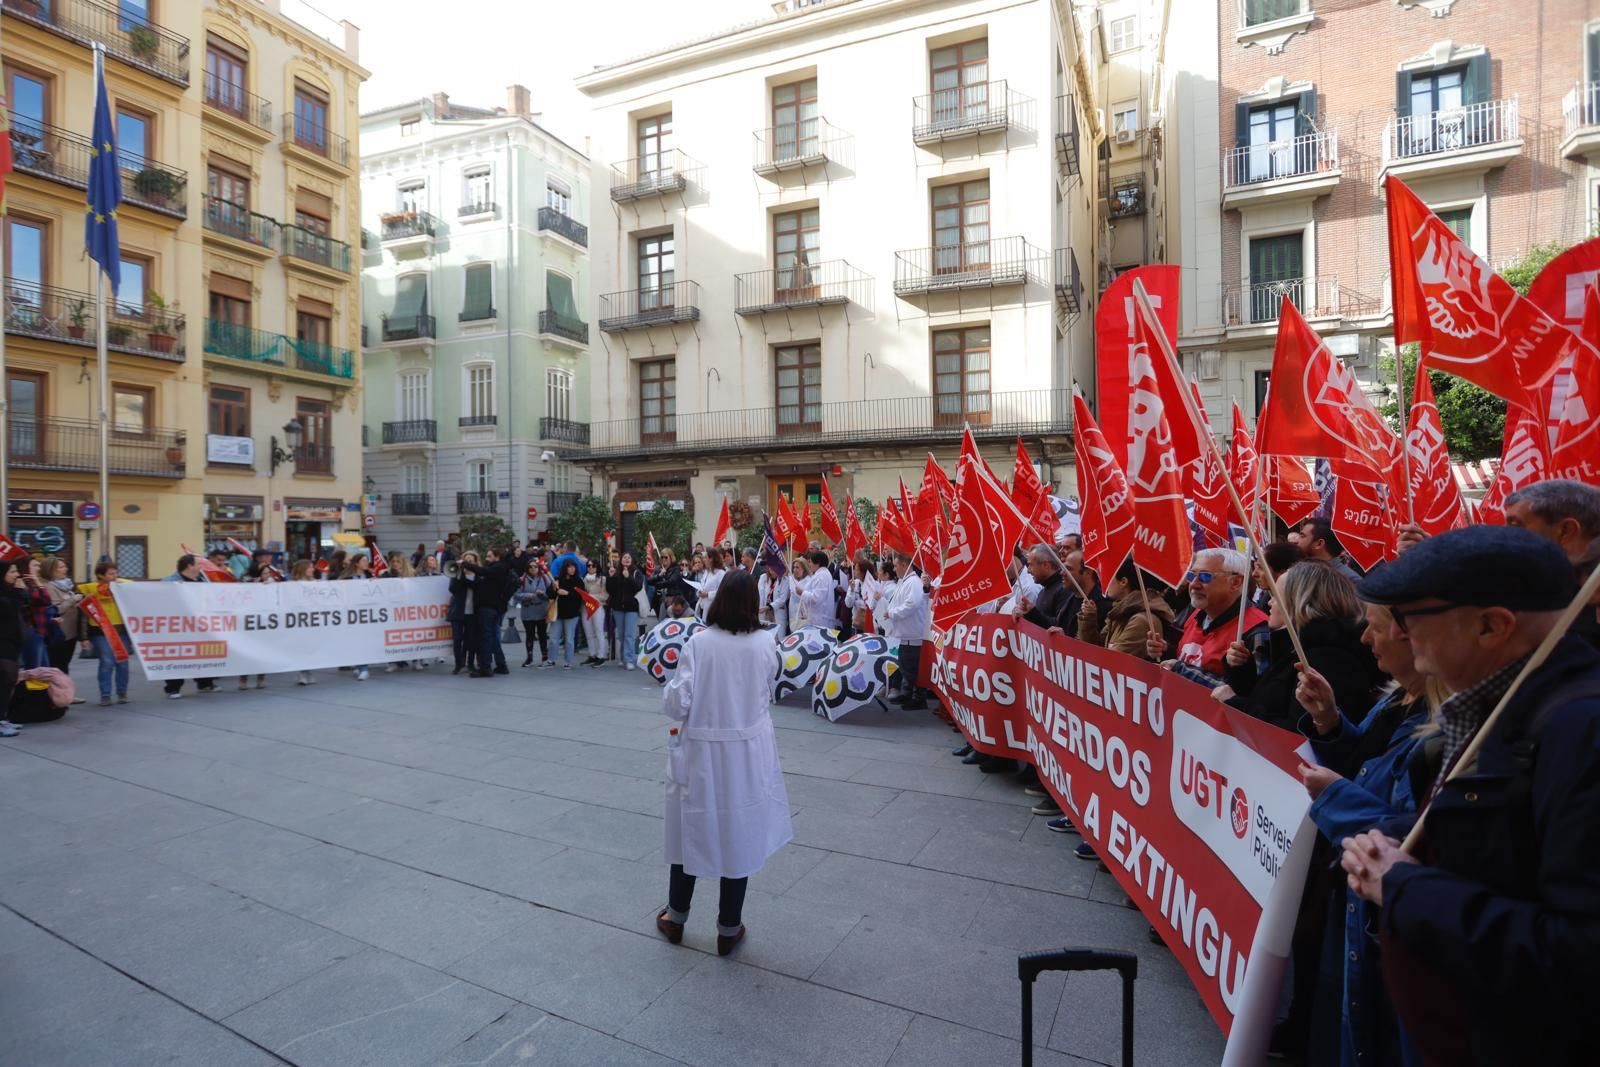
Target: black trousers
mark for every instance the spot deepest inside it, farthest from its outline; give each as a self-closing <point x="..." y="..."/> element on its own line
<point x="60" y="653"/>
<point x="730" y="909"/>
<point x="910" y="664"/>
<point x="537" y="630"/>
<point x="464" y="642"/>
<point x="174" y="685"/>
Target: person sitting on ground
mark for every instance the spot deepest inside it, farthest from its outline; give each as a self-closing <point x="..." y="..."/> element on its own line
<point x="1215" y="583"/>
<point x="1127" y="623"/>
<point x="1316" y="540"/>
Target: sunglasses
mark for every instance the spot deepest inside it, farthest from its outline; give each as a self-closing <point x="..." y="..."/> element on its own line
<point x="1401" y="617"/>
<point x="1203" y="577"/>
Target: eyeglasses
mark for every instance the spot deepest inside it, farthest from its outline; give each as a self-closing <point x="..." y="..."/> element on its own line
<point x="1203" y="577"/>
<point x="1400" y="617"/>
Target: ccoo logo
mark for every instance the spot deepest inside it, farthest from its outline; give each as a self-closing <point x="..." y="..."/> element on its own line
<point x="1239" y="813"/>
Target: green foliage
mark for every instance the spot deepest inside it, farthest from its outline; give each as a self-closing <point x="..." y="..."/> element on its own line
<point x="749" y="537"/>
<point x="1522" y="273"/>
<point x="867" y="513"/>
<point x="674" y="529"/>
<point x="482" y="532"/>
<point x="586" y="522"/>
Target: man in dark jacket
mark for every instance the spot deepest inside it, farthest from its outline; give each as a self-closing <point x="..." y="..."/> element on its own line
<point x="1491" y="931"/>
<point x="490" y="598"/>
<point x="1045" y="609"/>
<point x="187" y="570"/>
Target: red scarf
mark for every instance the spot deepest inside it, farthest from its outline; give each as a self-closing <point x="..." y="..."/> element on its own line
<point x="97" y="615"/>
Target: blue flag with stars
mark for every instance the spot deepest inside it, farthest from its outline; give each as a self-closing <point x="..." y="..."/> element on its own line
<point x="105" y="184"/>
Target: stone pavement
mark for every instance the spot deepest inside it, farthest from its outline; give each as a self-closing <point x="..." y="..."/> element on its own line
<point x="426" y="869"/>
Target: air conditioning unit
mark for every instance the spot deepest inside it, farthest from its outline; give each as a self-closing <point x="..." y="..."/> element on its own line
<point x="1125" y="136"/>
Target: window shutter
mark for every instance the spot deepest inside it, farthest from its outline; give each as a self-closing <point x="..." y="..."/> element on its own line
<point x="1306" y="112"/>
<point x="1594" y="54"/>
<point x="558" y="296"/>
<point x="1475" y="86"/>
<point x="1402" y="93"/>
<point x="479" y="297"/>
<point x="1241" y="125"/>
<point x="411" y="297"/>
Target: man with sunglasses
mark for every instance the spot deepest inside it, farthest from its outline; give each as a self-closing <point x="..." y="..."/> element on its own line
<point x="1491" y="930"/>
<point x="1215" y="583"/>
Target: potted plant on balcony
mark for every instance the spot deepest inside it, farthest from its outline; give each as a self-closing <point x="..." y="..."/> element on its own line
<point x="157" y="186"/>
<point x="162" y="339"/>
<point x="118" y="334"/>
<point x="144" y="42"/>
<point x="78" y="316"/>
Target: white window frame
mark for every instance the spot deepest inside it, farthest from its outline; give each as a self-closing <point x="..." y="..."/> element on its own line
<point x="417" y="185"/>
<point x="558" y="393"/>
<point x="477" y="392"/>
<point x="480" y="476"/>
<point x="484" y="171"/>
<point x="411" y="126"/>
<point x="414" y="394"/>
<point x="561" y="476"/>
<point x="558" y="195"/>
<point x="413" y="478"/>
<point x="1122" y="34"/>
<point x="1121" y="120"/>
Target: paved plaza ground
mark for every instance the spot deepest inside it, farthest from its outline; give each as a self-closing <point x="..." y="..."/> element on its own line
<point x="426" y="869"/>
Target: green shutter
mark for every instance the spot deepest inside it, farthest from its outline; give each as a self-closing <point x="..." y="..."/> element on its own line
<point x="1594" y="54"/>
<point x="1475" y="86"/>
<point x="558" y="297"/>
<point x="410" y="297"/>
<point x="1402" y="93"/>
<point x="480" y="292"/>
<point x="1241" y="125"/>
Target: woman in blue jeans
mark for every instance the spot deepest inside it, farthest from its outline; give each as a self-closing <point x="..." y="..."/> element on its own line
<point x="109" y="667"/>
<point x="569" y="612"/>
<point x="622" y="599"/>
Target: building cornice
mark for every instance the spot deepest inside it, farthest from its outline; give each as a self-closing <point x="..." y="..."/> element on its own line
<point x="255" y="14"/>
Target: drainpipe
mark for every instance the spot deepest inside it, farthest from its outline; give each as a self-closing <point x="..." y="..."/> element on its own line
<point x="511" y="407"/>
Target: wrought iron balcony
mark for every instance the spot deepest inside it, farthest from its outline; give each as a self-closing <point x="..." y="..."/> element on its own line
<point x="964" y="111"/>
<point x="236" y="100"/>
<point x="408" y="327"/>
<point x="313" y="459"/>
<point x="653" y="175"/>
<point x="126" y="35"/>
<point x="469" y="421"/>
<point x="411" y="503"/>
<point x="1490" y="128"/>
<point x="53" y="314"/>
<point x="563" y="430"/>
<point x="246" y="343"/>
<point x="1067" y="142"/>
<point x="976" y="265"/>
<point x="50" y="444"/>
<point x="483" y="503"/>
<point x="1125" y="198"/>
<point x="1258" y="303"/>
<point x="410" y="431"/>
<point x="1309" y="156"/>
<point x="920" y="419"/>
<point x="1069" y="286"/>
<point x="563" y="226"/>
<point x="478" y="207"/>
<point x="307" y="135"/>
<point x="794" y="145"/>
<point x="803" y="285"/>
<point x="405" y="225"/>
<point x="63" y="156"/>
<point x="242" y="224"/>
<point x="321" y="357"/>
<point x="560" y="501"/>
<point x="312" y="247"/>
<point x="635" y="309"/>
<point x="559" y="325"/>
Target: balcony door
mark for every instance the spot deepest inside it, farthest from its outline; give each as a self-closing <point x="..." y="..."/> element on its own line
<point x="656" y="269"/>
<point x="796" y="236"/>
<point x="416" y="399"/>
<point x="1277" y="270"/>
<point x="959" y="77"/>
<point x="794" y="121"/>
<point x="225" y="76"/>
<point x="1272" y="131"/>
<point x="801" y="489"/>
<point x="961" y="382"/>
<point x="27" y="266"/>
<point x="25" y="400"/>
<point x="29" y="96"/>
<point x="658" y="401"/>
<point x="316" y="424"/>
<point x="797" y="380"/>
<point x="655" y="148"/>
<point x="961" y="227"/>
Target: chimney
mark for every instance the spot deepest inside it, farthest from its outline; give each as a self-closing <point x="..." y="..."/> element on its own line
<point x="519" y="102"/>
<point x="441" y="105"/>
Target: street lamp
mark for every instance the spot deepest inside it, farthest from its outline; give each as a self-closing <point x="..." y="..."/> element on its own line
<point x="293" y="434"/>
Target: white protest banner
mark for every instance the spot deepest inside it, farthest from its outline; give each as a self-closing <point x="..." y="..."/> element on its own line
<point x="210" y="629"/>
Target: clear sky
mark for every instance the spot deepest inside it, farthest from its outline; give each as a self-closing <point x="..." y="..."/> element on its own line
<point x="473" y="49"/>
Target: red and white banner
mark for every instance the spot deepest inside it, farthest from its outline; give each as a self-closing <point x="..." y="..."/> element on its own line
<point x="209" y="629"/>
<point x="1108" y="524"/>
<point x="1196" y="808"/>
<point x="1435" y="497"/>
<point x="984" y="528"/>
<point x="1118" y="348"/>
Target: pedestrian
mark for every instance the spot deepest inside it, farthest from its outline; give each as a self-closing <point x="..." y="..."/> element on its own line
<point x="462" y="615"/>
<point x="418" y="556"/>
<point x="303" y="570"/>
<point x="727" y="811"/>
<point x="1215" y="584"/>
<point x="1047" y="607"/>
<point x="569" y="609"/>
<point x="38" y="615"/>
<point x="13" y="601"/>
<point x="400" y="567"/>
<point x="907" y="616"/>
<point x="622" y="601"/>
<point x="669" y="579"/>
<point x="358" y="568"/>
<point x="64" y="596"/>
<point x="429" y="568"/>
<point x="186" y="570"/>
<point x="821" y="593"/>
<point x="533" y="604"/>
<point x="799" y="574"/>
<point x="709" y="579"/>
<point x="491" y="596"/>
<point x="336" y="565"/>
<point x="108" y="667"/>
<point x="261" y="572"/>
<point x="774" y="593"/>
<point x="594" y="622"/>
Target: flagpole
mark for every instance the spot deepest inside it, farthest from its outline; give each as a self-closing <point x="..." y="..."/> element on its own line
<point x="5" y="389"/>
<point x="1142" y="300"/>
<point x="105" y="421"/>
<point x="1405" y="426"/>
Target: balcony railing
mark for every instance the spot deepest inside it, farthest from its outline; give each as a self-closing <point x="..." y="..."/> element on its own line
<point x="1579" y="108"/>
<point x="49" y="444"/>
<point x="634" y="309"/>
<point x="53" y="314"/>
<point x="653" y="175"/>
<point x="976" y="265"/>
<point x="964" y="110"/>
<point x="239" y="102"/>
<point x="801" y="285"/>
<point x="272" y="349"/>
<point x="483" y="503"/>
<point x="1069" y="285"/>
<point x="404" y="225"/>
<point x="559" y="325"/>
<point x="408" y="327"/>
<point x="63" y="156"/>
<point x="560" y="501"/>
<point x="1258" y="303"/>
<point x="1067" y="142"/>
<point x="127" y="35"/>
<point x="241" y="224"/>
<point x="1294" y="157"/>
<point x="477" y="207"/>
<point x="564" y="430"/>
<point x="410" y="431"/>
<point x="1473" y="126"/>
<point x="793" y="145"/>
<point x="313" y="459"/>
<point x="920" y="419"/>
<point x="1125" y="198"/>
<point x="307" y="135"/>
<point x="564" y="226"/>
<point x="469" y="421"/>
<point x="411" y="503"/>
<point x="318" y="248"/>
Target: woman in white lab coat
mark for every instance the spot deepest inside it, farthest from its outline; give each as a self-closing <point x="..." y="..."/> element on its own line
<point x="773" y="592"/>
<point x="727" y="811"/>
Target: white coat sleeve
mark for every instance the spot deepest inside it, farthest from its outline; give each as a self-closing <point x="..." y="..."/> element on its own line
<point x="678" y="696"/>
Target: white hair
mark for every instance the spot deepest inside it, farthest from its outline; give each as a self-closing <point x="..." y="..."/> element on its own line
<point x="1228" y="560"/>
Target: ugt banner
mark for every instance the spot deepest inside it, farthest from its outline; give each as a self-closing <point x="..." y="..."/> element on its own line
<point x="1196" y="808"/>
<point x="206" y="629"/>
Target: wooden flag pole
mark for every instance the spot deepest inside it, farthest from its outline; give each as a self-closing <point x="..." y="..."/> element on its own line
<point x="1469" y="755"/>
<point x="1405" y="426"/>
<point x="1144" y="595"/>
<point x="1142" y="300"/>
<point x="1261" y="494"/>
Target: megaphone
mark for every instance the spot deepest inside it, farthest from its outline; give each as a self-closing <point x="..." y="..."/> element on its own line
<point x="451" y="569"/>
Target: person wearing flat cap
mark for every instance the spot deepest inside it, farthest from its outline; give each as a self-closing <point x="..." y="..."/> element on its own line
<point x="1491" y="931"/>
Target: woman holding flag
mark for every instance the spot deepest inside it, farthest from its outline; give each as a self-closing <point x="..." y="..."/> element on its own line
<point x="101" y="629"/>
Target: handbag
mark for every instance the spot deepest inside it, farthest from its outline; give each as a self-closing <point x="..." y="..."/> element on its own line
<point x="550" y="615"/>
<point x="93" y="652"/>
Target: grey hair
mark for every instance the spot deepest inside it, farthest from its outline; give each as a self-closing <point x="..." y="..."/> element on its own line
<point x="1562" y="498"/>
<point x="1231" y="561"/>
<point x="1047" y="554"/>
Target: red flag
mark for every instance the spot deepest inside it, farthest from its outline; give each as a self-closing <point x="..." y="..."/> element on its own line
<point x="380" y="566"/>
<point x="590" y="604"/>
<point x="724" y="524"/>
<point x="1468" y="319"/>
<point x="805" y="525"/>
<point x="1523" y="461"/>
<point x="786" y="522"/>
<point x="9" y="549"/>
<point x="1117" y="347"/>
<point x="652" y="555"/>
<point x="1207" y="485"/>
<point x="238" y="548"/>
<point x="1109" y="523"/>
<point x="830" y="516"/>
<point x="928" y="507"/>
<point x="212" y="572"/>
<point x="1291" y="493"/>
<point x="906" y="509"/>
<point x="1244" y="465"/>
<point x="1573" y="402"/>
<point x="91" y="607"/>
<point x="1032" y="498"/>
<point x="941" y="480"/>
<point x="1435" y="497"/>
<point x="984" y="530"/>
<point x="855" y="538"/>
<point x="894" y="530"/>
<point x="1364" y="521"/>
<point x="321" y="566"/>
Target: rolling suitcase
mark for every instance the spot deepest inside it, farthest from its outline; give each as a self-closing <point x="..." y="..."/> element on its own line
<point x="1032" y="964"/>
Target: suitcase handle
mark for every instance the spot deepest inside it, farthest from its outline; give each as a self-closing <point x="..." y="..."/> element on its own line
<point x="1032" y="964"/>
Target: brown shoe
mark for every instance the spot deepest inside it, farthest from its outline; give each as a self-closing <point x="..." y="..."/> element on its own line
<point x="726" y="945"/>
<point x="674" y="931"/>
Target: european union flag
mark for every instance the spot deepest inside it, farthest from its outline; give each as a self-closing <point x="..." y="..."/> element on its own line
<point x="105" y="184"/>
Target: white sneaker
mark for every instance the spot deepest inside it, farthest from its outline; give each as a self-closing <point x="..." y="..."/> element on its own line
<point x="174" y="696"/>
<point x="9" y="729"/>
<point x="361" y="675"/>
<point x="300" y="679"/>
<point x="391" y="668"/>
<point x="632" y="666"/>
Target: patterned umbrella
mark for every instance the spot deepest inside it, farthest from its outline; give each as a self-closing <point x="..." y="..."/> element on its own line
<point x="855" y="675"/>
<point x="800" y="656"/>
<point x="662" y="647"/>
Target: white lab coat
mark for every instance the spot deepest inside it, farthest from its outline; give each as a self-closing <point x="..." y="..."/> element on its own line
<point x="821" y="610"/>
<point x="708" y="593"/>
<point x="778" y="591"/>
<point x="727" y="810"/>
<point x="908" y="613"/>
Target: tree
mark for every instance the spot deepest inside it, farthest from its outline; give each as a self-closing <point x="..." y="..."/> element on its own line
<point x="749" y="537"/>
<point x="673" y="528"/>
<point x="482" y="532"/>
<point x="586" y="522"/>
<point x="867" y="513"/>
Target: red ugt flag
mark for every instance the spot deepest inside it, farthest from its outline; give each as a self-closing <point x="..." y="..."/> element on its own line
<point x="855" y="538"/>
<point x="380" y="566"/>
<point x="786" y="522"/>
<point x="830" y="516"/>
<point x="1523" y="461"/>
<point x="724" y="524"/>
<point x="1033" y="500"/>
<point x="1208" y="485"/>
<point x="1291" y="493"/>
<point x="1435" y="497"/>
<point x="652" y="555"/>
<point x="894" y="530"/>
<point x="1244" y="466"/>
<point x="1108" y="520"/>
<point x="1364" y="520"/>
<point x="984" y="530"/>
